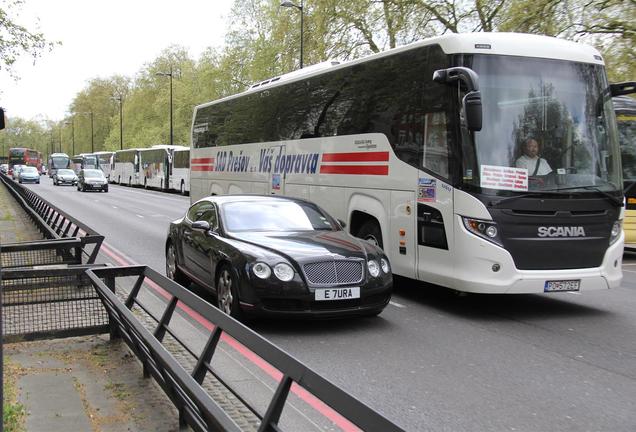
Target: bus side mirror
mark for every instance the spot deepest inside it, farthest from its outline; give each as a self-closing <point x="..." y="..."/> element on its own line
<point x="469" y="81"/>
<point x="2" y="118"/>
<point x="624" y="88"/>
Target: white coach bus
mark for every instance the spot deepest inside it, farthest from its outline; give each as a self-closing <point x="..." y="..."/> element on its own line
<point x="105" y="162"/>
<point x="179" y="179"/>
<point x="482" y="162"/>
<point x="125" y="168"/>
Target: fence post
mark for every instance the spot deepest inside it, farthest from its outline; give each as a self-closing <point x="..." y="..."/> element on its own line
<point x="112" y="326"/>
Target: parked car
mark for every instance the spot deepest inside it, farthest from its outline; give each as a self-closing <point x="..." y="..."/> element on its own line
<point x="266" y="255"/>
<point x="91" y="179"/>
<point x="29" y="174"/>
<point x="65" y="176"/>
<point x="4" y="168"/>
<point x="15" y="171"/>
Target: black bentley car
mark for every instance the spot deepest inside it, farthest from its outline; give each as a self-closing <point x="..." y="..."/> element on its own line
<point x="267" y="255"/>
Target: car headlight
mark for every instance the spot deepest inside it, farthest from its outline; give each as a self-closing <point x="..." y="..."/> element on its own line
<point x="617" y="228"/>
<point x="284" y="272"/>
<point x="262" y="270"/>
<point x="385" y="265"/>
<point x="485" y="229"/>
<point x="374" y="268"/>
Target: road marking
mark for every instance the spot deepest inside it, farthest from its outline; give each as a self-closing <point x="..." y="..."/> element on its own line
<point x="139" y="216"/>
<point x="115" y="207"/>
<point x="629" y="264"/>
<point x="574" y="292"/>
<point x="396" y="304"/>
<point x="311" y="400"/>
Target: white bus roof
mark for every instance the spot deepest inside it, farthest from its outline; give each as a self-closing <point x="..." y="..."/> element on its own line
<point x="511" y="44"/>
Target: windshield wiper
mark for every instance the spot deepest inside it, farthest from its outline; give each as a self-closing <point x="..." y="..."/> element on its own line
<point x="556" y="191"/>
<point x="512" y="198"/>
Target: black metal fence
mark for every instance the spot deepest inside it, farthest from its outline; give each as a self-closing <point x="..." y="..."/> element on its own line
<point x="55" y="223"/>
<point x="196" y="407"/>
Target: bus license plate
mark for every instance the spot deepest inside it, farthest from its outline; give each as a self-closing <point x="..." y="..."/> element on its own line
<point x="337" y="293"/>
<point x="562" y="285"/>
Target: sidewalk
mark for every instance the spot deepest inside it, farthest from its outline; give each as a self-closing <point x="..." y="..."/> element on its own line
<point x="77" y="384"/>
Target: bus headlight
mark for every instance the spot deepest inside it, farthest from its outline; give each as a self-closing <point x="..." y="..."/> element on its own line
<point x="485" y="229"/>
<point x="284" y="272"/>
<point x="261" y="270"/>
<point x="617" y="228"/>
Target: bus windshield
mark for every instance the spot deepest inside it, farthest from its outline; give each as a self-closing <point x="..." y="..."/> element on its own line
<point x="548" y="126"/>
<point x="58" y="162"/>
<point x="626" y="121"/>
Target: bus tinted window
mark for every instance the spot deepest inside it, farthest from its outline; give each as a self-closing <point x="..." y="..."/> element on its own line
<point x="394" y="96"/>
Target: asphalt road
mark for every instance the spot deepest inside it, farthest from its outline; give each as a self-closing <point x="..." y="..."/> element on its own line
<point x="434" y="361"/>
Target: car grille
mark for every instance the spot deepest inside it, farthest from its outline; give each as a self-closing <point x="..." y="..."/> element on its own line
<point x="339" y="272"/>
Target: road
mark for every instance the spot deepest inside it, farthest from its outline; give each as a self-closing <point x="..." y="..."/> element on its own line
<point x="433" y="360"/>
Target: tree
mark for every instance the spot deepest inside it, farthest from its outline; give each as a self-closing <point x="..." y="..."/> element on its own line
<point x="15" y="39"/>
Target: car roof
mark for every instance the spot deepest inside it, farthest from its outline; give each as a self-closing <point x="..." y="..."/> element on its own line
<point x="223" y="199"/>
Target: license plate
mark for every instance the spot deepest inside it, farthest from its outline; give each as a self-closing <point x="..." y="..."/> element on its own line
<point x="337" y="293"/>
<point x="562" y="285"/>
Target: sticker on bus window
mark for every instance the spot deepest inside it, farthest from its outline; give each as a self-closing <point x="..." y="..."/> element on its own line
<point x="426" y="190"/>
<point x="275" y="181"/>
<point x="504" y="178"/>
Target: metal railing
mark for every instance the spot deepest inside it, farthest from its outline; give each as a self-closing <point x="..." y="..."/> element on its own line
<point x="55" y="223"/>
<point x="196" y="407"/>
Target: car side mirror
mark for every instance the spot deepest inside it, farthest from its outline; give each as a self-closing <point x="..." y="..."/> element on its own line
<point x="201" y="225"/>
<point x="342" y="223"/>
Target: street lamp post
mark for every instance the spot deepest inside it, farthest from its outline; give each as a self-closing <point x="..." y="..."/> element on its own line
<point x="121" y="120"/>
<point x="287" y="3"/>
<point x="72" y="123"/>
<point x="170" y="74"/>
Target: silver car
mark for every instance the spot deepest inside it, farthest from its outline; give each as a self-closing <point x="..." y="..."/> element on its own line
<point x="29" y="174"/>
<point x="65" y="176"/>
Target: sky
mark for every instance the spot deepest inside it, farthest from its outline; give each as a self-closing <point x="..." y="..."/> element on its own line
<point x="100" y="39"/>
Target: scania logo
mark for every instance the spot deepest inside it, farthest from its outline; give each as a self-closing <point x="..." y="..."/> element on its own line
<point x="569" y="231"/>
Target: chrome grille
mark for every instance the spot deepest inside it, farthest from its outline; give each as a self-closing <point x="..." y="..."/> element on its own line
<point x="338" y="272"/>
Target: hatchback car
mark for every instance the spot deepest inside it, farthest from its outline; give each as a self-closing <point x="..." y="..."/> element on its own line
<point x="29" y="174"/>
<point x="15" y="171"/>
<point x="265" y="255"/>
<point x="91" y="179"/>
<point x="65" y="176"/>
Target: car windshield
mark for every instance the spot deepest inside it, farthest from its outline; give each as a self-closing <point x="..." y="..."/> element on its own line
<point x="29" y="170"/>
<point x="548" y="126"/>
<point x="93" y="174"/>
<point x="65" y="172"/>
<point x="274" y="215"/>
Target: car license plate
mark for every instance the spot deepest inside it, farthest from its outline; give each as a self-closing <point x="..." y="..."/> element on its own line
<point x="562" y="285"/>
<point x="337" y="293"/>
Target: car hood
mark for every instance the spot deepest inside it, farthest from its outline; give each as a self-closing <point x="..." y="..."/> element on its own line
<point x="307" y="246"/>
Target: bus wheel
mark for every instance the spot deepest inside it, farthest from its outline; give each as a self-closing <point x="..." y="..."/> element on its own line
<point x="370" y="231"/>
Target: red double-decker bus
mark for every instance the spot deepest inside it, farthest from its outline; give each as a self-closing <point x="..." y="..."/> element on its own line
<point x="25" y="156"/>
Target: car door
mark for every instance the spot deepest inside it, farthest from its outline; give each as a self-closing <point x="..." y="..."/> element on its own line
<point x="198" y="244"/>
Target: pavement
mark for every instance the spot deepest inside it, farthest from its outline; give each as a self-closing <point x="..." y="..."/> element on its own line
<point x="77" y="384"/>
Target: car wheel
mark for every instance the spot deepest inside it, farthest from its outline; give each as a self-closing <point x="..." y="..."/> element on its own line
<point x="370" y="231"/>
<point x="172" y="271"/>
<point x="227" y="294"/>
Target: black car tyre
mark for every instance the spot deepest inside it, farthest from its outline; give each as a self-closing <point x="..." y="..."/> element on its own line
<point x="227" y="299"/>
<point x="370" y="231"/>
<point x="172" y="271"/>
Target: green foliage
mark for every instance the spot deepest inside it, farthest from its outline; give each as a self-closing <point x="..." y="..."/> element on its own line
<point x="263" y="41"/>
<point x="15" y="39"/>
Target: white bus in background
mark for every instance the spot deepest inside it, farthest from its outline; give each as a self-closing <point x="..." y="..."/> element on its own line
<point x="105" y="161"/>
<point x="125" y="167"/>
<point x="394" y="145"/>
<point x="156" y="164"/>
<point x="179" y="179"/>
<point x="84" y="160"/>
<point x="58" y="161"/>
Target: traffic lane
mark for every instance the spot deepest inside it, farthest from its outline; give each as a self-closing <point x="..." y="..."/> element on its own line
<point x="483" y="362"/>
<point x="133" y="221"/>
<point x="443" y="362"/>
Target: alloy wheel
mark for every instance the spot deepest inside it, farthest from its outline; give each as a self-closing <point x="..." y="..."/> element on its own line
<point x="224" y="291"/>
<point x="171" y="262"/>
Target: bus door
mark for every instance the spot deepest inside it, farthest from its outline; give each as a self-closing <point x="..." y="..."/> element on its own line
<point x="277" y="169"/>
<point x="434" y="228"/>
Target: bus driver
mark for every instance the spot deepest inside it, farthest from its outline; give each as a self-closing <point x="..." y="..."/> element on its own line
<point x="530" y="159"/>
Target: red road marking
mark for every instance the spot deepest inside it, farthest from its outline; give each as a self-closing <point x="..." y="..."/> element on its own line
<point x="303" y="394"/>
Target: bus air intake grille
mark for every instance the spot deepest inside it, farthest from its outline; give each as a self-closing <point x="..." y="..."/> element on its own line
<point x="340" y="272"/>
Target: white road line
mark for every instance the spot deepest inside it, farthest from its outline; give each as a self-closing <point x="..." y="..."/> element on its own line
<point x="629" y="264"/>
<point x="163" y="195"/>
<point x="139" y="216"/>
<point x="396" y="304"/>
<point x="629" y="271"/>
<point x="574" y="292"/>
<point x="115" y="207"/>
